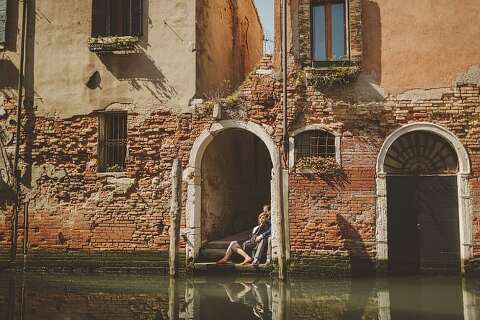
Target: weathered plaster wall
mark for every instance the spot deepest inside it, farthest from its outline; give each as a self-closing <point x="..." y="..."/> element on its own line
<point x="236" y="174"/>
<point x="419" y="44"/>
<point x="59" y="63"/>
<point x="229" y="44"/>
<point x="406" y="45"/>
<point x="248" y="41"/>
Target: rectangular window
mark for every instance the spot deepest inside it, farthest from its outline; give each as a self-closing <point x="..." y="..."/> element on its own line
<point x="112" y="18"/>
<point x="329" y="31"/>
<point x="314" y="143"/>
<point x="3" y="21"/>
<point x="112" y="142"/>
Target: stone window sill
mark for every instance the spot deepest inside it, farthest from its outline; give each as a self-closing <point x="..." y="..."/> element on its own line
<point x="119" y="45"/>
<point x="112" y="174"/>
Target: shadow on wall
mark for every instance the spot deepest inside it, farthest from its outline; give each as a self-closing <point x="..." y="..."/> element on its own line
<point x="360" y="260"/>
<point x="372" y="40"/>
<point x="140" y="71"/>
<point x="7" y="67"/>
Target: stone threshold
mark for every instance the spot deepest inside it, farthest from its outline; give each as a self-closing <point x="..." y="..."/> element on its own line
<point x="212" y="267"/>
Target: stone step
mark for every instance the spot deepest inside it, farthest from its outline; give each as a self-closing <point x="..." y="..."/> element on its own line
<point x="219" y="244"/>
<point x="230" y="268"/>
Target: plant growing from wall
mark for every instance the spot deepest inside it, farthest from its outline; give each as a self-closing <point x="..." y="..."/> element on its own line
<point x="325" y="167"/>
<point x="115" y="168"/>
<point x="331" y="77"/>
<point x="205" y="109"/>
<point x="108" y="44"/>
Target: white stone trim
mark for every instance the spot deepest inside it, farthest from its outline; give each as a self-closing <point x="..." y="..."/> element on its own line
<point x="313" y="127"/>
<point x="464" y="198"/>
<point x="193" y="178"/>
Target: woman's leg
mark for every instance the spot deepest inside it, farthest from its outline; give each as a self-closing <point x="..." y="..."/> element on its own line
<point x="247" y="247"/>
<point x="232" y="247"/>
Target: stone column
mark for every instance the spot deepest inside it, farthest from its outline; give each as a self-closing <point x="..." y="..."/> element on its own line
<point x="175" y="210"/>
<point x="193" y="215"/>
<point x="465" y="220"/>
<point x="381" y="231"/>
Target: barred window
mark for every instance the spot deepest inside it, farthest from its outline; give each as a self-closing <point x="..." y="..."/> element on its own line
<point x="314" y="143"/>
<point x="112" y="142"/>
<point x="117" y="18"/>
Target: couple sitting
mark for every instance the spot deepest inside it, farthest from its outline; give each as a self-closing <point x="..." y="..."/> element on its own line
<point x="258" y="242"/>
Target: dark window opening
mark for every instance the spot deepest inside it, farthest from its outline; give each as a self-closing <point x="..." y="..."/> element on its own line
<point x="329" y="32"/>
<point x="314" y="143"/>
<point x="117" y="18"/>
<point x="112" y="142"/>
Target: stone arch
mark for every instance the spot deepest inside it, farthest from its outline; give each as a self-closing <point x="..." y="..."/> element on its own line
<point x="193" y="177"/>
<point x="312" y="127"/>
<point x="464" y="203"/>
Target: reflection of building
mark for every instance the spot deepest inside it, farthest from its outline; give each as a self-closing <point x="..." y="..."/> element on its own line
<point x="377" y="93"/>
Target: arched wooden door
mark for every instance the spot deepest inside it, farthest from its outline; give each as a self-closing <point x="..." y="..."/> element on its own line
<point x="423" y="222"/>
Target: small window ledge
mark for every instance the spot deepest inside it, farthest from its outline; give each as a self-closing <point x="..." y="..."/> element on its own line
<point x="119" y="45"/>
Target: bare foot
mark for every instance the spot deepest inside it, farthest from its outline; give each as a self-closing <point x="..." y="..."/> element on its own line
<point x="246" y="261"/>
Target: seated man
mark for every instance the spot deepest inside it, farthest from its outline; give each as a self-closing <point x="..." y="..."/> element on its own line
<point x="261" y="231"/>
<point x="264" y="250"/>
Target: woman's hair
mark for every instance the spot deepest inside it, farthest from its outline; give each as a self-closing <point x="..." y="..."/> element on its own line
<point x="263" y="218"/>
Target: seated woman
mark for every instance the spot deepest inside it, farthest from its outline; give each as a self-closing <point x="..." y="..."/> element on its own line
<point x="259" y="232"/>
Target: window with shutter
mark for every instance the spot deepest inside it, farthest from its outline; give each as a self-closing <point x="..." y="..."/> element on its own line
<point x="117" y="18"/>
<point x="3" y="21"/>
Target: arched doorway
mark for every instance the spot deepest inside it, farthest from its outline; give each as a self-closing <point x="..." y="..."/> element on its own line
<point x="423" y="209"/>
<point x="236" y="181"/>
<point x="218" y="150"/>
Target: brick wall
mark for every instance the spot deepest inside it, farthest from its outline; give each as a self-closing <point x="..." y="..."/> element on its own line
<point x="74" y="208"/>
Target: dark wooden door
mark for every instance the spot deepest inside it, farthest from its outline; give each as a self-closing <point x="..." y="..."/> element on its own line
<point x="423" y="228"/>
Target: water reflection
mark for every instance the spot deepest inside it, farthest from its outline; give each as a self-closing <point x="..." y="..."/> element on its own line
<point x="37" y="296"/>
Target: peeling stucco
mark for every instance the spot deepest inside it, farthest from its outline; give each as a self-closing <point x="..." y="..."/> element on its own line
<point x="422" y="94"/>
<point x="121" y="185"/>
<point x="46" y="170"/>
<point x="471" y="76"/>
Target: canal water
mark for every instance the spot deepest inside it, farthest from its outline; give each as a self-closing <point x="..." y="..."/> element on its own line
<point x="96" y="297"/>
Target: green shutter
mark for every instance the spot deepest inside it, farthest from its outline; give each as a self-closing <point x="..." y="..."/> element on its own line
<point x="3" y="20"/>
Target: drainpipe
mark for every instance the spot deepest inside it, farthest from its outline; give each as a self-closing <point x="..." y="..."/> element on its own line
<point x="282" y="251"/>
<point x="21" y="71"/>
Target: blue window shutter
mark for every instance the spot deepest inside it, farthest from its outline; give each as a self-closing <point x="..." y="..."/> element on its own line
<point x="3" y="20"/>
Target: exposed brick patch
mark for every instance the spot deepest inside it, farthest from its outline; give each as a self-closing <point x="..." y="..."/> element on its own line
<point x="324" y="217"/>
